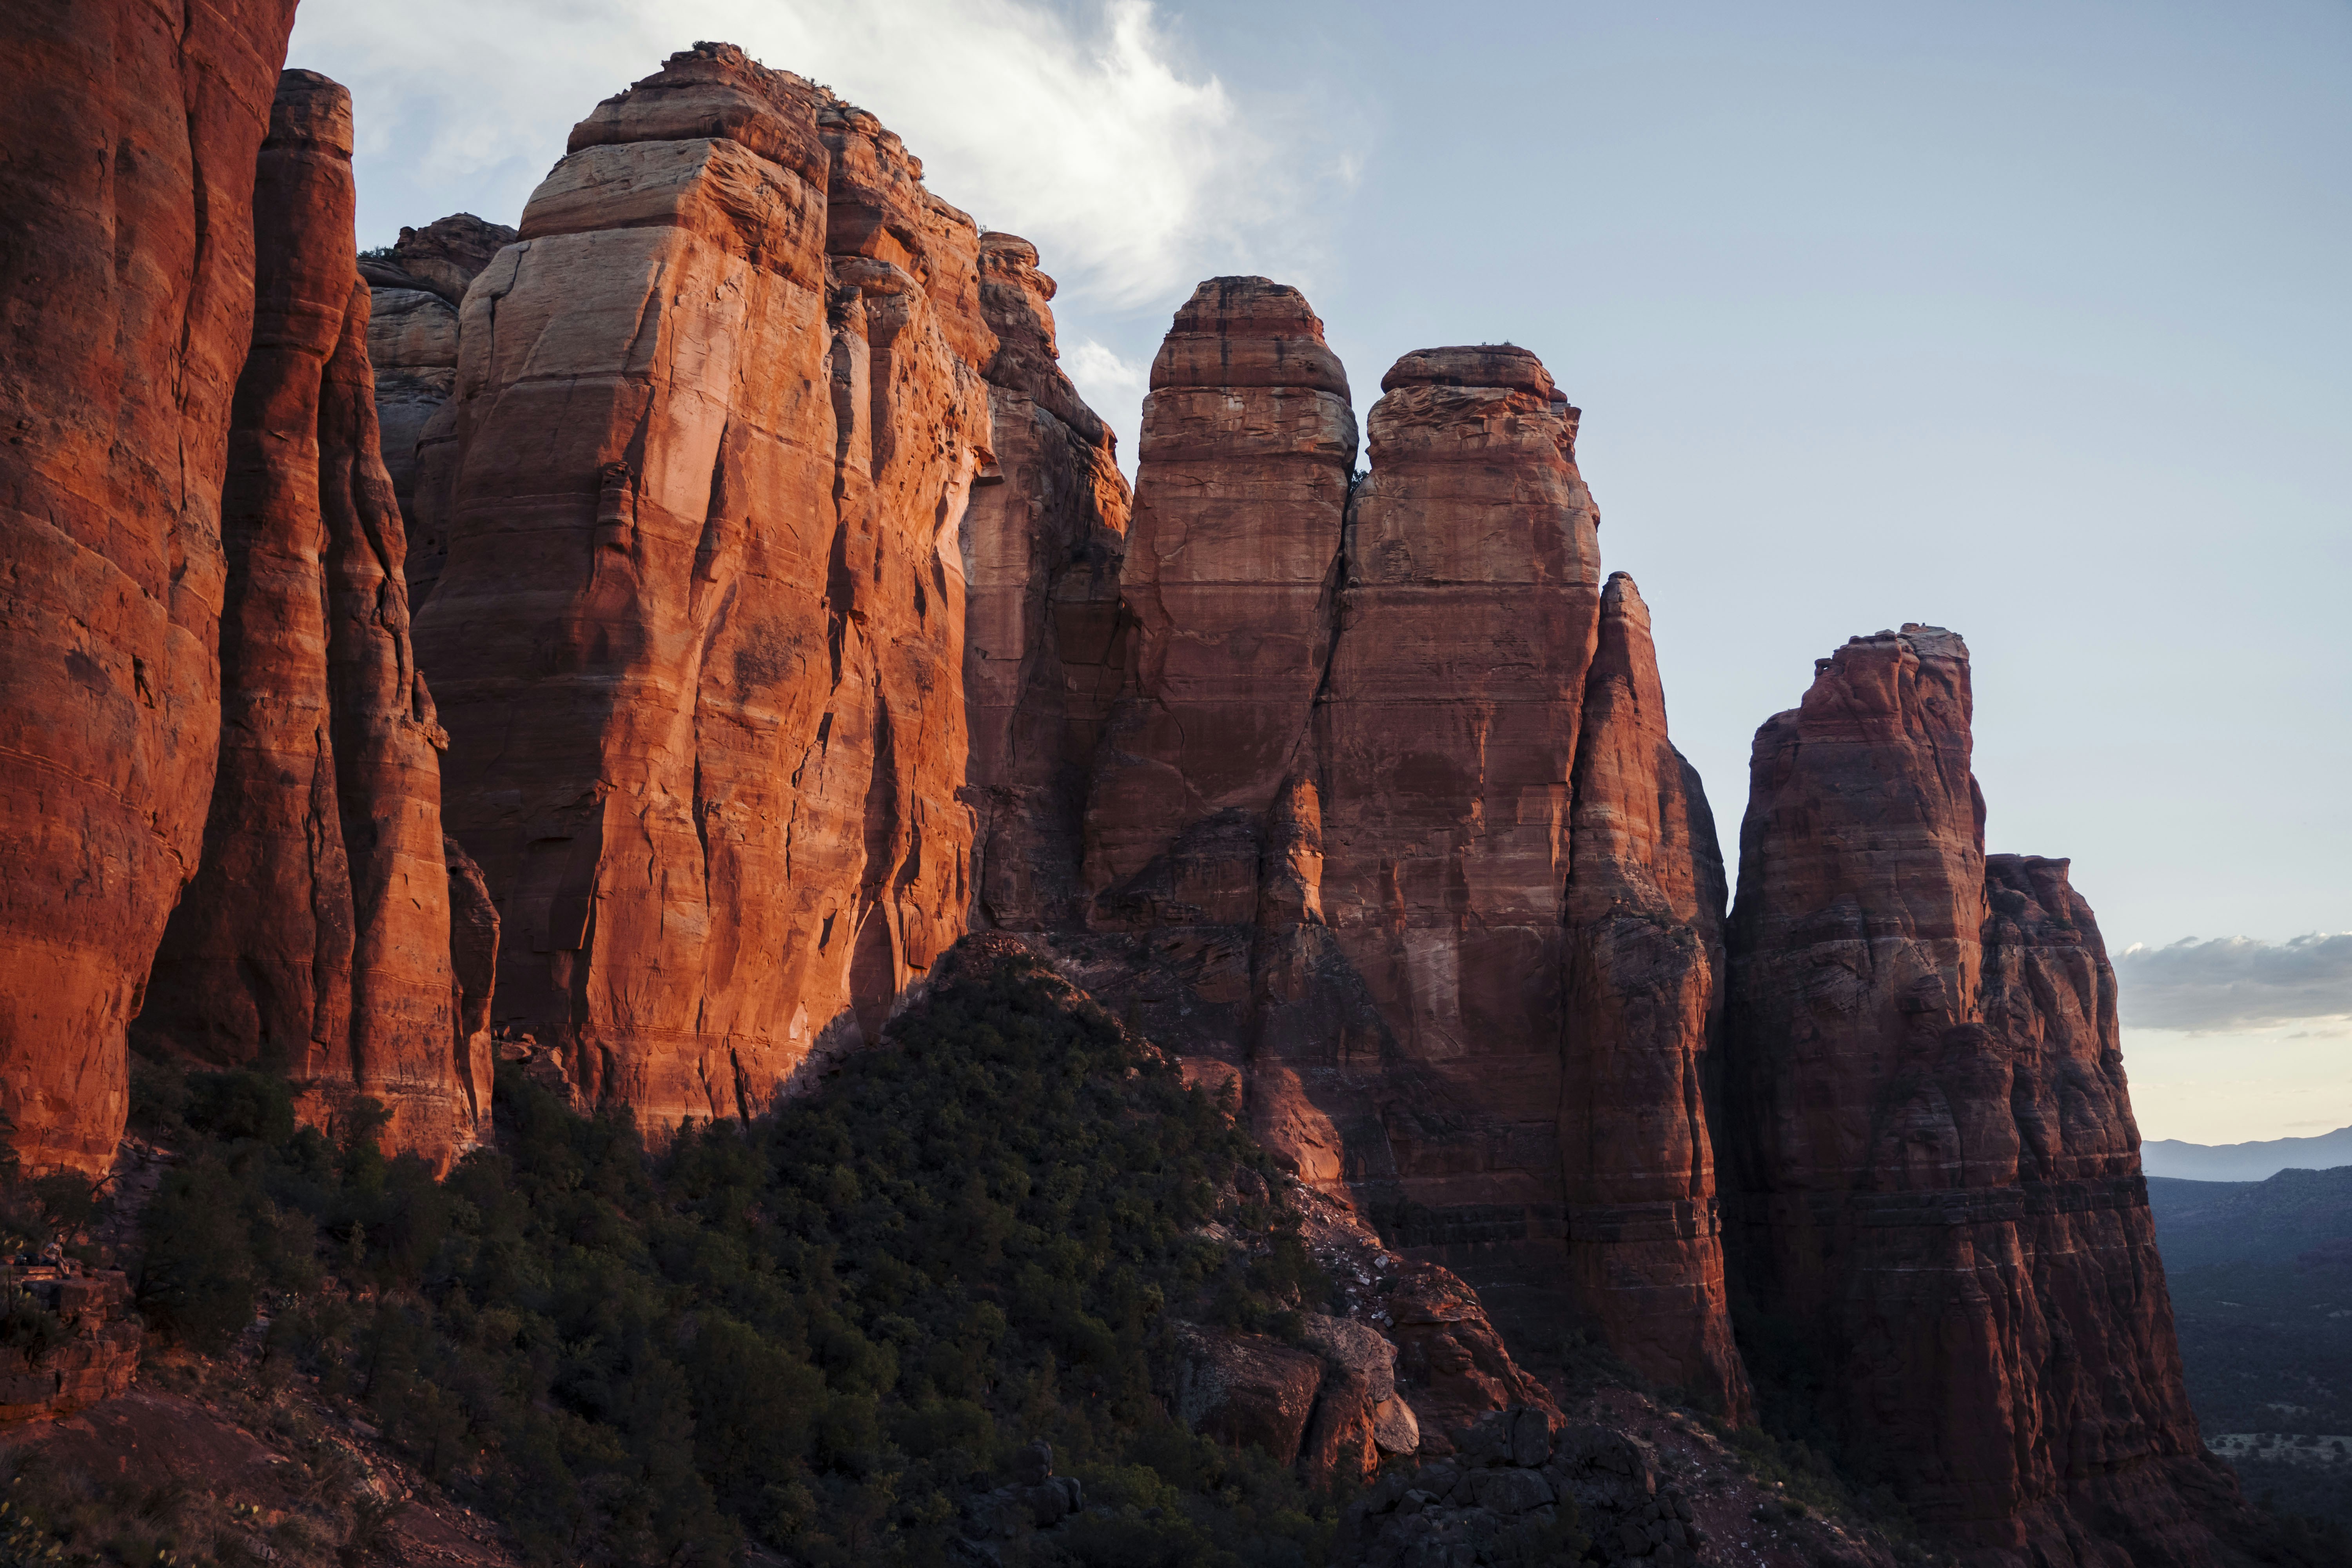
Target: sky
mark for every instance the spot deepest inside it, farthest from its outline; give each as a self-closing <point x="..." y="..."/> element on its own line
<point x="2030" y="320"/>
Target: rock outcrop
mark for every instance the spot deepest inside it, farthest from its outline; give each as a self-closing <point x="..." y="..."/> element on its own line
<point x="98" y="1356"/>
<point x="1645" y="960"/>
<point x="1041" y="554"/>
<point x="315" y="934"/>
<point x="126" y="300"/>
<point x="417" y="286"/>
<point x="699" y="637"/>
<point x="1937" y="1193"/>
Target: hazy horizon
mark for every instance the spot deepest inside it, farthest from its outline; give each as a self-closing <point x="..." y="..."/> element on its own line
<point x="2030" y="321"/>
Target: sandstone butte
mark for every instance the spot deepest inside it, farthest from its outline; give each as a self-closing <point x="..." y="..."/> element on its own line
<point x="316" y="932"/>
<point x="126" y="300"/>
<point x="698" y="641"/>
<point x="1933" y="1173"/>
<point x="786" y="616"/>
<point x="1330" y="834"/>
<point x="412" y="341"/>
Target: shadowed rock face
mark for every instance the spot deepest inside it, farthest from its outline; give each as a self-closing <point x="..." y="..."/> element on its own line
<point x="1644" y="963"/>
<point x="126" y="299"/>
<point x="413" y="344"/>
<point x="1936" y="1172"/>
<point x="1041" y="554"/>
<point x="699" y="637"/>
<point x="316" y="932"/>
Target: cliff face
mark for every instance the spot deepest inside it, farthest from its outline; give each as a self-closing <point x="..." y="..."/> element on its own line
<point x="316" y="931"/>
<point x="1644" y="973"/>
<point x="412" y="341"/>
<point x="1041" y="554"/>
<point x="126" y="300"/>
<point x="698" y="639"/>
<point x="1936" y="1175"/>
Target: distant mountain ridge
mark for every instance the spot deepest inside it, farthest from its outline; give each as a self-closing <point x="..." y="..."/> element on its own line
<point x="2273" y="1221"/>
<point x="2255" y="1162"/>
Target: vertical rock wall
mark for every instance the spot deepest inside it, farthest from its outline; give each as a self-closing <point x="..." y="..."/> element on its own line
<point x="699" y="637"/>
<point x="413" y="344"/>
<point x="126" y="299"/>
<point x="1937" y="1199"/>
<point x="1644" y="966"/>
<point x="1042" y="551"/>
<point x="315" y="934"/>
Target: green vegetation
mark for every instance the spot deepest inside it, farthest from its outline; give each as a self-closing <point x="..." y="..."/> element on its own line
<point x="820" y="1332"/>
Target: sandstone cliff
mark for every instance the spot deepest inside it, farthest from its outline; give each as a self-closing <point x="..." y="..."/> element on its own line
<point x="316" y="932"/>
<point x="699" y="637"/>
<point x="1041" y="554"/>
<point x="1936" y="1172"/>
<point x="412" y="341"/>
<point x="126" y="274"/>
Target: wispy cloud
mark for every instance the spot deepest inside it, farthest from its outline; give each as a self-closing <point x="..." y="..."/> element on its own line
<point x="1085" y="128"/>
<point x="2236" y="983"/>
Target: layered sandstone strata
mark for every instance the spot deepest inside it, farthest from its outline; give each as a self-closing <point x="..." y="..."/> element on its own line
<point x="1937" y="1192"/>
<point x="699" y="637"/>
<point x="1447" y="747"/>
<point x="126" y="300"/>
<point x="1248" y="448"/>
<point x="1041" y="553"/>
<point x="1645" y="964"/>
<point x="316" y="933"/>
<point x="417" y="286"/>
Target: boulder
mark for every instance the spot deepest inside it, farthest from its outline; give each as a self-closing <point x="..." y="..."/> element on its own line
<point x="126" y="288"/>
<point x="1245" y="1390"/>
<point x="1452" y="1366"/>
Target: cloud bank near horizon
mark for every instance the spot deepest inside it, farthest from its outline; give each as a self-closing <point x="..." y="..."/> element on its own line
<point x="2235" y="983"/>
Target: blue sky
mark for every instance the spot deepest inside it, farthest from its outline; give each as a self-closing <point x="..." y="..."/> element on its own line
<point x="2029" y="320"/>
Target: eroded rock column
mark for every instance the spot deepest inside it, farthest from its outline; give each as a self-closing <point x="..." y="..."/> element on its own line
<point x="1644" y="970"/>
<point x="315" y="937"/>
<point x="1934" y="1187"/>
<point x="126" y="301"/>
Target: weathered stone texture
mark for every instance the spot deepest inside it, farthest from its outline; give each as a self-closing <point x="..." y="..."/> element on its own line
<point x="315" y="934"/>
<point x="413" y="344"/>
<point x="1644" y="959"/>
<point x="126" y="298"/>
<point x="1935" y="1173"/>
<point x="698" y="641"/>
<point x="1042" y="551"/>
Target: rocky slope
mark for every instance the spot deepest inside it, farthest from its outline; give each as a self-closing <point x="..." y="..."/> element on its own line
<point x="316" y="932"/>
<point x="126" y="301"/>
<point x="1937" y="1194"/>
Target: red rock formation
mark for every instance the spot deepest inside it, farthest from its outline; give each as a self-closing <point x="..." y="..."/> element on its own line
<point x="99" y="1358"/>
<point x="1242" y="485"/>
<point x="126" y="298"/>
<point x="1937" y="1184"/>
<point x="413" y="344"/>
<point x="1445" y="750"/>
<point x="698" y="639"/>
<point x="1041" y="557"/>
<point x="1644" y="959"/>
<point x="316" y="931"/>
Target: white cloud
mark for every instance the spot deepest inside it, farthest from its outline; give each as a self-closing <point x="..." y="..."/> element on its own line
<point x="1134" y="172"/>
<point x="2236" y="983"/>
<point x="1112" y="386"/>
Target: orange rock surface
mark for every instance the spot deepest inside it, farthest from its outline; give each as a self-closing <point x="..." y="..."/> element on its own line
<point x="126" y="300"/>
<point x="698" y="642"/>
<point x="1934" y="1167"/>
<point x="315" y="934"/>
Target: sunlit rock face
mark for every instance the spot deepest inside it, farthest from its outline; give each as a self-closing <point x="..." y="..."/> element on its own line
<point x="699" y="639"/>
<point x="126" y="307"/>
<point x="316" y="934"/>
